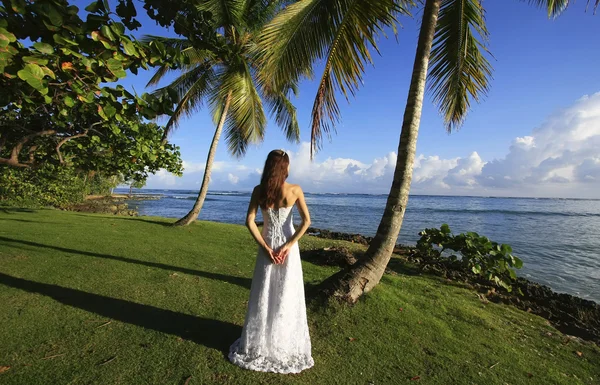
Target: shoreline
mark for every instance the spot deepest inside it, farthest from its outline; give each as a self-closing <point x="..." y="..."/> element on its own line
<point x="135" y="197"/>
<point x="568" y="313"/>
<point x="110" y="204"/>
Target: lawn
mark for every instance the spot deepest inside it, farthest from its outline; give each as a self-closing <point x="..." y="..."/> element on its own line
<point x="90" y="299"/>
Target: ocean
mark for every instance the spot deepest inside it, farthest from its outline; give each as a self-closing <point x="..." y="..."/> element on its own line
<point x="557" y="239"/>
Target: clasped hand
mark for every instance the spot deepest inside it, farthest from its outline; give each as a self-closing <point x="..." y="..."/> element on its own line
<point x="278" y="256"/>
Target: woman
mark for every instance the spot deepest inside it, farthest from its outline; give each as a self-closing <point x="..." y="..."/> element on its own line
<point x="275" y="336"/>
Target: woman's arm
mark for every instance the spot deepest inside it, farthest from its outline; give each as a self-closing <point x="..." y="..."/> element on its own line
<point x="251" y="225"/>
<point x="305" y="215"/>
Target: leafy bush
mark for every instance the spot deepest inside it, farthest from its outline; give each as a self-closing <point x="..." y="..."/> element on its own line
<point x="102" y="185"/>
<point x="50" y="185"/>
<point x="493" y="261"/>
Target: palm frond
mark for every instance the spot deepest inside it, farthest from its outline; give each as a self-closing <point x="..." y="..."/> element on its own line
<point x="285" y="115"/>
<point x="339" y="31"/>
<point x="192" y="88"/>
<point x="459" y="68"/>
<point x="174" y="42"/>
<point x="225" y="13"/>
<point x="246" y="119"/>
<point x="179" y="44"/>
<point x="596" y="4"/>
<point x="159" y="74"/>
<point x="553" y="7"/>
<point x="258" y="12"/>
<point x="195" y="58"/>
<point x="195" y="51"/>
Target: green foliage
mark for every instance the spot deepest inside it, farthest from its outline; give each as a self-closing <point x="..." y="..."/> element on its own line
<point x="477" y="253"/>
<point x="227" y="67"/>
<point x="56" y="104"/>
<point x="134" y="151"/>
<point x="101" y="185"/>
<point x="132" y="148"/>
<point x="49" y="185"/>
<point x="137" y="184"/>
<point x="459" y="69"/>
<point x="53" y="185"/>
<point x="339" y="32"/>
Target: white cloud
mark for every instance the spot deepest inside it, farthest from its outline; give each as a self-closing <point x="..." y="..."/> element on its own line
<point x="233" y="179"/>
<point x="561" y="157"/>
<point x="190" y="167"/>
<point x="465" y="172"/>
<point x="564" y="150"/>
<point x="163" y="178"/>
<point x="224" y="175"/>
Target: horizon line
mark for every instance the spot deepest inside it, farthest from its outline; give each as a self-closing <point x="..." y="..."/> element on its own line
<point x="380" y="194"/>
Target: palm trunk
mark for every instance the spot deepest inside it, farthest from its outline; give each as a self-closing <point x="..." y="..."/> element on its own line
<point x="366" y="273"/>
<point x="193" y="214"/>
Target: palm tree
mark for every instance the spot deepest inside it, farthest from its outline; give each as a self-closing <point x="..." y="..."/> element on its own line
<point x="225" y="76"/>
<point x="452" y="37"/>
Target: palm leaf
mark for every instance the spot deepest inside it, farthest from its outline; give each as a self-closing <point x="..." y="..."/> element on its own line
<point x="225" y="13"/>
<point x="339" y="31"/>
<point x="196" y="51"/>
<point x="596" y="4"/>
<point x="556" y="7"/>
<point x="192" y="88"/>
<point x="459" y="69"/>
<point x="553" y="7"/>
<point x="258" y="12"/>
<point x="246" y="119"/>
<point x="285" y="115"/>
<point x="174" y="42"/>
<point x="194" y="56"/>
<point x="159" y="74"/>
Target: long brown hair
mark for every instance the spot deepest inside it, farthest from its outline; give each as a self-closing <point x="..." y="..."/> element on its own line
<point x="273" y="177"/>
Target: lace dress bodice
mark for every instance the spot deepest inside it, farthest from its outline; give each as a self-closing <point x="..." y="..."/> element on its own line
<point x="278" y="226"/>
<point x="275" y="336"/>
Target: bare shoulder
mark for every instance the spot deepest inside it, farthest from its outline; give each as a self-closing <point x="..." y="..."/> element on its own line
<point x="294" y="189"/>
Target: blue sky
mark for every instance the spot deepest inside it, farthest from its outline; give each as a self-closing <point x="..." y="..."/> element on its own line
<point x="542" y="70"/>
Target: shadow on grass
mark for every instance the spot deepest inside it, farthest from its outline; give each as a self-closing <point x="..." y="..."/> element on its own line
<point x="340" y="257"/>
<point x="240" y="281"/>
<point x="24" y="220"/>
<point x="10" y="210"/>
<point x="124" y="218"/>
<point x="401" y="266"/>
<point x="208" y="332"/>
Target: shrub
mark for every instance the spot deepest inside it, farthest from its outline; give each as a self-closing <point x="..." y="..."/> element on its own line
<point x="493" y="261"/>
<point x="50" y="185"/>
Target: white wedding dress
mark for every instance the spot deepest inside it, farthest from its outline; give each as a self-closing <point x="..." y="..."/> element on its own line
<point x="275" y="336"/>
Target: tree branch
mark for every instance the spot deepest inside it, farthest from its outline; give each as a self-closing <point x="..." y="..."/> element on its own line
<point x="32" y="154"/>
<point x="14" y="156"/>
<point x="12" y="163"/>
<point x="65" y="140"/>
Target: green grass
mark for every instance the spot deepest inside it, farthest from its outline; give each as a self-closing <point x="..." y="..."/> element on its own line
<point x="87" y="299"/>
